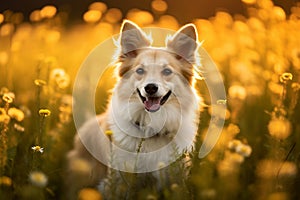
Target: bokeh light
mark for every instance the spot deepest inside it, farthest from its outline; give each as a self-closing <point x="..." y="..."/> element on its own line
<point x="159" y="6"/>
<point x="168" y="21"/>
<point x="89" y="194"/>
<point x="35" y="16"/>
<point x="48" y="11"/>
<point x="17" y="18"/>
<point x="92" y="16"/>
<point x="257" y="54"/>
<point x="7" y="29"/>
<point x="113" y="15"/>
<point x="3" y="58"/>
<point x="249" y="1"/>
<point x="1" y="18"/>
<point x="279" y="128"/>
<point x="140" y="17"/>
<point x="100" y="6"/>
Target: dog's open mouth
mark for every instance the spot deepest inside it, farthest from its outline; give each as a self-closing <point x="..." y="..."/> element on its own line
<point x="152" y="104"/>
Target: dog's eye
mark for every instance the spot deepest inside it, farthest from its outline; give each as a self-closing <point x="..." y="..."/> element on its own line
<point x="140" y="71"/>
<point x="167" y="71"/>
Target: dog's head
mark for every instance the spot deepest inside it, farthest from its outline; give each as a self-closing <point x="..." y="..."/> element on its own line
<point x="158" y="76"/>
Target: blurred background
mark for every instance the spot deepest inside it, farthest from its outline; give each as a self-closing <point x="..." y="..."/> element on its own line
<point x="254" y="43"/>
<point x="184" y="12"/>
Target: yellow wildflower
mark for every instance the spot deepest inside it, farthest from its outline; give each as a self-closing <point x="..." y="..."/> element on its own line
<point x="16" y="114"/>
<point x="8" y="97"/>
<point x="244" y="150"/>
<point x="39" y="82"/>
<point x="38" y="178"/>
<point x="44" y="112"/>
<point x="57" y="73"/>
<point x="38" y="149"/>
<point x="19" y="128"/>
<point x="60" y="78"/>
<point x="108" y="132"/>
<point x="232" y="145"/>
<point x="240" y="148"/>
<point x="286" y="77"/>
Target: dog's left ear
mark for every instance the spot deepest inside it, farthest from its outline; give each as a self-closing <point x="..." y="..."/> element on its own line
<point x="132" y="38"/>
<point x="184" y="43"/>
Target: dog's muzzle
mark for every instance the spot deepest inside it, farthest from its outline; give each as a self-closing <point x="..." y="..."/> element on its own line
<point x="153" y="103"/>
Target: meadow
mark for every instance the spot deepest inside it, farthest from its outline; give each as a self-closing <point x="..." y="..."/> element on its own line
<point x="258" y="55"/>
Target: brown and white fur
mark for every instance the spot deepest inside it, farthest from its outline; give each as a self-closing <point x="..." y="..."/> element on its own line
<point x="153" y="99"/>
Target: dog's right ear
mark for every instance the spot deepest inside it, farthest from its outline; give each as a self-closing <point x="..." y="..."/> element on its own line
<point x="184" y="43"/>
<point x="132" y="38"/>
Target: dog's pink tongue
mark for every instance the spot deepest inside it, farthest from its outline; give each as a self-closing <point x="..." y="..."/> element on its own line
<point x="152" y="104"/>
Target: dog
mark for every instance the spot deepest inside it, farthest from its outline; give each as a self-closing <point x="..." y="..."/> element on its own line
<point x="153" y="112"/>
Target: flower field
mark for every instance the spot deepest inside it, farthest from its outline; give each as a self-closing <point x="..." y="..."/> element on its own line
<point x="258" y="55"/>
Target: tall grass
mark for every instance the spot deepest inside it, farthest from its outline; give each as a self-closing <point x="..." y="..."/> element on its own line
<point x="256" y="157"/>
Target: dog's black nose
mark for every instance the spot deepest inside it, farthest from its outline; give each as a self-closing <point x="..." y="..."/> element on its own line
<point x="151" y="88"/>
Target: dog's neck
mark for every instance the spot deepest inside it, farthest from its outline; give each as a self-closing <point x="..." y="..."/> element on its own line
<point x="163" y="132"/>
<point x="151" y="124"/>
